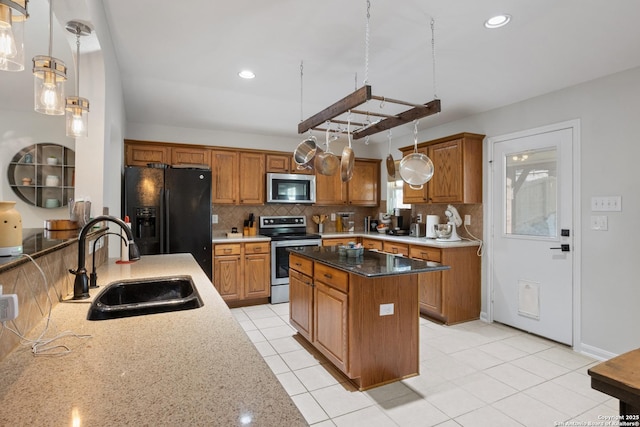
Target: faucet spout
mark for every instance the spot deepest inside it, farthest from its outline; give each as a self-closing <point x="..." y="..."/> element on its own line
<point x="81" y="283"/>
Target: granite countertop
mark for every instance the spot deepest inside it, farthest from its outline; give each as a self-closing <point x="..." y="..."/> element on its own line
<point x="370" y="264"/>
<point x="191" y="367"/>
<point x="39" y="241"/>
<point x="423" y="241"/>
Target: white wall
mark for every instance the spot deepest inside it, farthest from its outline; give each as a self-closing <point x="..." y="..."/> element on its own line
<point x="608" y="111"/>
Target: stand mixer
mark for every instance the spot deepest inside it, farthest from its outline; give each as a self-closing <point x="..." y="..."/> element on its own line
<point x="454" y="221"/>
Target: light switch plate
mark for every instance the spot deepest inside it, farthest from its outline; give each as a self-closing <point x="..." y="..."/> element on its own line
<point x="599" y="222"/>
<point x="214" y="219"/>
<point x="606" y="204"/>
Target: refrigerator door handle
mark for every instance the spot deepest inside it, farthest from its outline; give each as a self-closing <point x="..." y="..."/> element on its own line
<point x="167" y="196"/>
<point x="162" y="220"/>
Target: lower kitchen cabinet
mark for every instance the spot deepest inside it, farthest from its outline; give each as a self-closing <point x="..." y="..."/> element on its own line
<point x="340" y="241"/>
<point x="330" y="314"/>
<point x="395" y="248"/>
<point x="450" y="296"/>
<point x="301" y="295"/>
<point x="371" y="244"/>
<point x="241" y="272"/>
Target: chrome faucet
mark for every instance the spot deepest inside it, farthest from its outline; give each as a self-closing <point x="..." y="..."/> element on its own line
<point x="81" y="283"/>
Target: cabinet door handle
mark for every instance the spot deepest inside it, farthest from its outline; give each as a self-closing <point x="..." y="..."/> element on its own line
<point x="227" y="250"/>
<point x="328" y="276"/>
<point x="298" y="264"/>
<point x="563" y="248"/>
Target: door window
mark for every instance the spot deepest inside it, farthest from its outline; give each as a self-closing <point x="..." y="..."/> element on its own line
<point x="531" y="196"/>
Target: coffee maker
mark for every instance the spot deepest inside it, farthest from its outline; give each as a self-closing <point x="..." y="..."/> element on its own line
<point x="400" y="222"/>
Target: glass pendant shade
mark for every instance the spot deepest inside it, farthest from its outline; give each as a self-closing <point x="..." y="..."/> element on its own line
<point x="49" y="77"/>
<point x="77" y="116"/>
<point x="12" y="17"/>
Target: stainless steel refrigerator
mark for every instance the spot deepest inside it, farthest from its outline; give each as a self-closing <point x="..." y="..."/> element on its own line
<point x="170" y="211"/>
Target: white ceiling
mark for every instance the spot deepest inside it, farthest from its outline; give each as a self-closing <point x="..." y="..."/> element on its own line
<point x="179" y="63"/>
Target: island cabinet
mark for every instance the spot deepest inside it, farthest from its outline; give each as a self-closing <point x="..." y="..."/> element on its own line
<point x="370" y="244"/>
<point x="364" y="323"/>
<point x="362" y="190"/>
<point x="301" y="295"/>
<point x="340" y="241"/>
<point x="242" y="272"/>
<point x="450" y="296"/>
<point x="457" y="177"/>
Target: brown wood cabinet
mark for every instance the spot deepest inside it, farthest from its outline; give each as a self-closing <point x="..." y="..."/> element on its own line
<point x="395" y="248"/>
<point x="301" y="295"/>
<point x="252" y="179"/>
<point x="190" y="156"/>
<point x="278" y="163"/>
<point x="242" y="272"/>
<point x="340" y="241"/>
<point x="457" y="176"/>
<point x="237" y="177"/>
<point x="362" y="190"/>
<point x="372" y="244"/>
<point x="450" y="296"/>
<point x="139" y="154"/>
<point x="347" y="328"/>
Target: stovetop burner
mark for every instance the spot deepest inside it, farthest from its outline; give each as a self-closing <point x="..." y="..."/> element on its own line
<point x="291" y="227"/>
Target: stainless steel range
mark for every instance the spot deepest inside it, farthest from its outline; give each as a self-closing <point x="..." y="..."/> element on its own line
<point x="285" y="232"/>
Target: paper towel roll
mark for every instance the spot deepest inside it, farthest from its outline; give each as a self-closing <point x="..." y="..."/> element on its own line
<point x="432" y="220"/>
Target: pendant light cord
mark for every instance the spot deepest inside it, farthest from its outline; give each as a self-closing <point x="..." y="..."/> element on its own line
<point x="78" y="62"/>
<point x="50" y="28"/>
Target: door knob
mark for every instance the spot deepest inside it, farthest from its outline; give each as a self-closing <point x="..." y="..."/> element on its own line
<point x="563" y="248"/>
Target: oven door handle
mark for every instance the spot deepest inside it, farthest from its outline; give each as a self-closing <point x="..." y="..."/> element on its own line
<point x="292" y="243"/>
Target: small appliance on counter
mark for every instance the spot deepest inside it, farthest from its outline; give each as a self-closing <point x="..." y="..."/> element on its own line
<point x="400" y="222"/>
<point x="418" y="229"/>
<point x="432" y="221"/>
<point x="447" y="232"/>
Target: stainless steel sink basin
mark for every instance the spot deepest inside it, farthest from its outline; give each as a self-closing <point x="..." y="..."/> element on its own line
<point x="145" y="296"/>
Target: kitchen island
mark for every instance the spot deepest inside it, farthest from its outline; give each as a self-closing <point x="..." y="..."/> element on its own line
<point x="191" y="367"/>
<point x="360" y="312"/>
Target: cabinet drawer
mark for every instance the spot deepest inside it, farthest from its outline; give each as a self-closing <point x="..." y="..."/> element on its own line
<point x="300" y="276"/>
<point x="335" y="278"/>
<point x="303" y="265"/>
<point x="372" y="244"/>
<point x="256" y="248"/>
<point x="227" y="249"/>
<point x="395" y="248"/>
<point x="426" y="253"/>
<point x="340" y="241"/>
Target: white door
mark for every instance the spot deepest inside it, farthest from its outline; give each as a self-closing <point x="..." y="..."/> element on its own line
<point x="532" y="251"/>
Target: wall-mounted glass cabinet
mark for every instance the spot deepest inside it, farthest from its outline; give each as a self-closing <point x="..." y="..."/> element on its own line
<point x="43" y="175"/>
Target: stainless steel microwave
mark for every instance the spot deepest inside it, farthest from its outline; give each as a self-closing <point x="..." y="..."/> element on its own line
<point x="291" y="188"/>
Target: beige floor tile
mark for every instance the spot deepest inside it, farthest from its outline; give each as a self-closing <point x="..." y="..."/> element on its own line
<point x="562" y="399"/>
<point x="259" y="312"/>
<point x="326" y="423"/>
<point x="319" y="376"/>
<point x="486" y="417"/>
<point x="280" y="309"/>
<point x="309" y="408"/>
<point x="514" y="376"/>
<point x="265" y="349"/>
<point x="341" y="399"/>
<point x="597" y="416"/>
<point x="276" y="364"/>
<point x="299" y="359"/>
<point x="541" y="367"/>
<point x="485" y="387"/>
<point x="453" y="401"/>
<point x="581" y="384"/>
<point x="413" y="410"/>
<point x="255" y="336"/>
<point x="248" y="325"/>
<point x="367" y="417"/>
<point x="565" y="357"/>
<point x="388" y="392"/>
<point x="271" y="322"/>
<point x="239" y="314"/>
<point x="502" y="351"/>
<point x="478" y="360"/>
<point x="286" y="344"/>
<point x="278" y="332"/>
<point x="530" y="411"/>
<point x="291" y="383"/>
<point x="528" y="343"/>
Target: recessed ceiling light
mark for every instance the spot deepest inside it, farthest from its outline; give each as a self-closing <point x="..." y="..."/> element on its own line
<point x="497" y="21"/>
<point x="246" y="74"/>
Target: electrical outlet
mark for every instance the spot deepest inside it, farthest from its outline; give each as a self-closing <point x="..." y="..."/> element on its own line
<point x="214" y="219"/>
<point x="467" y="220"/>
<point x="333" y="216"/>
<point x="386" y="309"/>
<point x="8" y="307"/>
<point x="419" y="217"/>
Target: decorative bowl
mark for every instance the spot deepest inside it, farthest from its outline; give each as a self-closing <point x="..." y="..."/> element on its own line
<point x="443" y="231"/>
<point x="382" y="230"/>
<point x="354" y="252"/>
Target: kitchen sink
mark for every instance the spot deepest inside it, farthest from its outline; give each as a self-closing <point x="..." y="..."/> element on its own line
<point x="145" y="296"/>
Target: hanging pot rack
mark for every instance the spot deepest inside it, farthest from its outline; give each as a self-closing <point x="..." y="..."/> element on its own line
<point x="351" y="102"/>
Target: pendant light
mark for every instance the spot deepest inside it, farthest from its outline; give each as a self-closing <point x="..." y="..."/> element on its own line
<point x="77" y="108"/>
<point x="12" y="17"/>
<point x="49" y="76"/>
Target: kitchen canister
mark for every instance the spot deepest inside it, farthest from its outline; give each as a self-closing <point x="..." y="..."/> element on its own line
<point x="10" y="230"/>
<point x="52" y="181"/>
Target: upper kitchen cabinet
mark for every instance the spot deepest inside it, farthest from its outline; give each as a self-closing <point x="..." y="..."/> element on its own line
<point x="457" y="177"/>
<point x="238" y="177"/>
<point x="190" y="156"/>
<point x="278" y="163"/>
<point x="362" y="190"/>
<point x="140" y="153"/>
